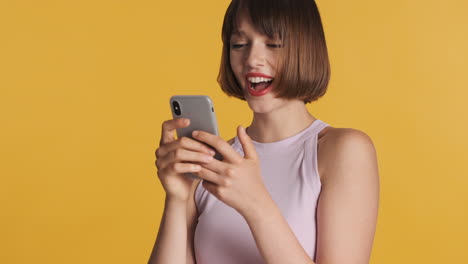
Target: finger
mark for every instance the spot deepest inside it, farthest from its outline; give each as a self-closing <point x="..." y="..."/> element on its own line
<point x="216" y="166"/>
<point x="210" y="187"/>
<point x="183" y="155"/>
<point x="247" y="144"/>
<point x="208" y="175"/>
<point x="186" y="143"/>
<point x="219" y="144"/>
<point x="168" y="127"/>
<point x="180" y="168"/>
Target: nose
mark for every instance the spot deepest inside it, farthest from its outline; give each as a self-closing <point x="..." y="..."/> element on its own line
<point x="256" y="55"/>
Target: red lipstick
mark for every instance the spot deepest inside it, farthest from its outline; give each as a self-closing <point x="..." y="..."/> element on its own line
<point x="257" y="74"/>
<point x="254" y="92"/>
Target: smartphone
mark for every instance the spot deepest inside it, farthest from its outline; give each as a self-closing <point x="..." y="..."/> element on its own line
<point x="200" y="110"/>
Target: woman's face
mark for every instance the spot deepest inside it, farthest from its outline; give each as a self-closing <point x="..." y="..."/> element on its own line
<point x="254" y="60"/>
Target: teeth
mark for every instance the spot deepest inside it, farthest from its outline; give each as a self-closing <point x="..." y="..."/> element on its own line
<point x="259" y="79"/>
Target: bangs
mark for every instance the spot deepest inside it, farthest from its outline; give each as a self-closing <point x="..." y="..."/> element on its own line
<point x="264" y="15"/>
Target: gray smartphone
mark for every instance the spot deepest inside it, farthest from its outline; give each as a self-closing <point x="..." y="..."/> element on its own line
<point x="200" y="110"/>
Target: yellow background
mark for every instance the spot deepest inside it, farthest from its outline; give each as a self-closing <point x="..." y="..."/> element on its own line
<point x="85" y="87"/>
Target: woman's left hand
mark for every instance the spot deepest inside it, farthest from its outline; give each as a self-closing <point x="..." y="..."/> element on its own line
<point x="235" y="180"/>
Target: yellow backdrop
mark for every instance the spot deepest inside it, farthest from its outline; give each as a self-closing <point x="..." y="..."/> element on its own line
<point x="85" y="86"/>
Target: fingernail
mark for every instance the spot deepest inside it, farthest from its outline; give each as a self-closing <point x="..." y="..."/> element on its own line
<point x="195" y="133"/>
<point x="212" y="152"/>
<point x="243" y="130"/>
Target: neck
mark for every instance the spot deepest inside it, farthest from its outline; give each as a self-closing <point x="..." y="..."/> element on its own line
<point x="281" y="123"/>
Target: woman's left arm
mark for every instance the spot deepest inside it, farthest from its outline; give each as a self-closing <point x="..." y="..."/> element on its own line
<point x="349" y="200"/>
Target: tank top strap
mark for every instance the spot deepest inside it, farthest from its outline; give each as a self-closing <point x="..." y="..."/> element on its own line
<point x="311" y="155"/>
<point x="311" y="131"/>
<point x="320" y="125"/>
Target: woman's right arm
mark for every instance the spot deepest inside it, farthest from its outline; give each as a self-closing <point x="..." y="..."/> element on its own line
<point x="174" y="158"/>
<point x="178" y="231"/>
<point x="170" y="246"/>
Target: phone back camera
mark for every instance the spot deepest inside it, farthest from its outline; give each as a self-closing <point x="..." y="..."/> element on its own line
<point x="176" y="107"/>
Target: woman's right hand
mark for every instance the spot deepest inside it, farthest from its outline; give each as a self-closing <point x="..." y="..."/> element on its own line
<point x="176" y="157"/>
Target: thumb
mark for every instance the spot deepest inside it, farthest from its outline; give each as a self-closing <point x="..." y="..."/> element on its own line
<point x="247" y="144"/>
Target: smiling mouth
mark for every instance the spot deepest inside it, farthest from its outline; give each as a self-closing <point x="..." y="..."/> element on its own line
<point x="259" y="86"/>
<point x="259" y="82"/>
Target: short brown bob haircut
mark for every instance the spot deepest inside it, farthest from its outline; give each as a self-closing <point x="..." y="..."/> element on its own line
<point x="303" y="67"/>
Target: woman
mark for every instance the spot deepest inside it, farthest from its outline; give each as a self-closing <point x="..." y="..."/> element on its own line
<point x="290" y="188"/>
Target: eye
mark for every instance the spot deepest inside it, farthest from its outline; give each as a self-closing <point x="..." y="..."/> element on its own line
<point x="275" y="45"/>
<point x="238" y="46"/>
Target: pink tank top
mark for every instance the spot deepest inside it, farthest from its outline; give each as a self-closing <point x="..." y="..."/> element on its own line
<point x="290" y="173"/>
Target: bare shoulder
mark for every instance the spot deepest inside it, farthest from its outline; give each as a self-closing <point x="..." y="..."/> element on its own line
<point x="344" y="148"/>
<point x="343" y="137"/>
